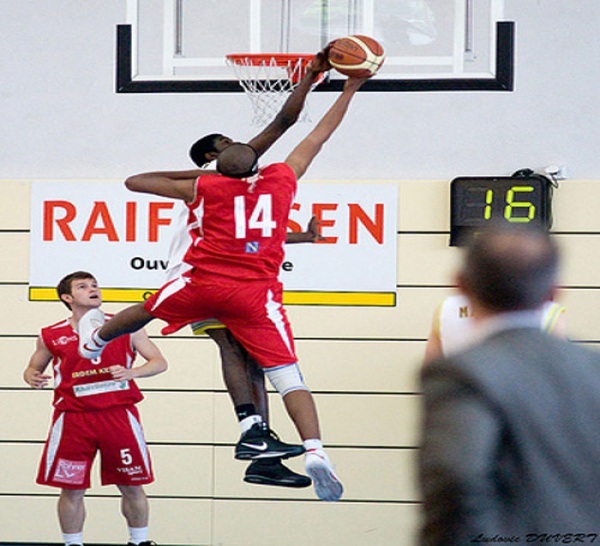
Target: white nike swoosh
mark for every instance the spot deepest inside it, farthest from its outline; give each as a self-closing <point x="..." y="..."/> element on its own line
<point x="260" y="447"/>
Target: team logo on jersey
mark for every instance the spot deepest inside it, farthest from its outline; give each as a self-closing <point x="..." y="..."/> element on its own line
<point x="72" y="472"/>
<point x="253" y="247"/>
<point x="63" y="340"/>
<point x="463" y="312"/>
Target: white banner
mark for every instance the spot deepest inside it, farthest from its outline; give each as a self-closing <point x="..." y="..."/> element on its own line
<point x="123" y="239"/>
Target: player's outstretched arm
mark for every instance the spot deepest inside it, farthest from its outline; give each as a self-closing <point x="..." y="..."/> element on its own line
<point x="171" y="184"/>
<point x="290" y="111"/>
<point x="302" y="156"/>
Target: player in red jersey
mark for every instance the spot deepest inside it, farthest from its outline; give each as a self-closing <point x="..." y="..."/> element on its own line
<point x="243" y="378"/>
<point x="242" y="215"/>
<point x="94" y="410"/>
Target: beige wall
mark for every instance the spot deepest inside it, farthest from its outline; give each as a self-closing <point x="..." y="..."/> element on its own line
<point x="361" y="364"/>
<point x="63" y="120"/>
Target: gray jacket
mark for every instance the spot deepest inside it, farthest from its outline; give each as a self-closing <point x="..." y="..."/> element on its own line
<point x="511" y="442"/>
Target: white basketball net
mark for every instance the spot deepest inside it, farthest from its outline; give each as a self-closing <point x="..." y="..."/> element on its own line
<point x="268" y="81"/>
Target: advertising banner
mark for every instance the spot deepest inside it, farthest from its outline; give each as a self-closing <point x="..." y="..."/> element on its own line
<point x="123" y="239"/>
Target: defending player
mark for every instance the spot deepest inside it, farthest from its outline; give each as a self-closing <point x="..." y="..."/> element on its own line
<point x="243" y="213"/>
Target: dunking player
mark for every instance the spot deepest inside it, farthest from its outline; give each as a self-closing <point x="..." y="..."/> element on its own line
<point x="243" y="378"/>
<point x="94" y="410"/>
<point x="243" y="212"/>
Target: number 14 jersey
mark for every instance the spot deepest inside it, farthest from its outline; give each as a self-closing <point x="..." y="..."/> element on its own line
<point x="238" y="226"/>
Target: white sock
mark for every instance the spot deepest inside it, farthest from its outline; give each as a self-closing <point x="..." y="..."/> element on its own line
<point x="138" y="534"/>
<point x="73" y="538"/>
<point x="313" y="444"/>
<point x="246" y="423"/>
<point x="97" y="339"/>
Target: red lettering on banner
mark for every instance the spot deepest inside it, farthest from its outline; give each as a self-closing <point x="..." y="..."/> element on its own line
<point x="154" y="220"/>
<point x="107" y="227"/>
<point x="375" y="228"/>
<point x="356" y="216"/>
<point x="130" y="220"/>
<point x="318" y="209"/>
<point x="59" y="217"/>
<point x="294" y="227"/>
<point x="62" y="223"/>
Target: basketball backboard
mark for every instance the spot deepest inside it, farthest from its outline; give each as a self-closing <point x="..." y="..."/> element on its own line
<point x="180" y="45"/>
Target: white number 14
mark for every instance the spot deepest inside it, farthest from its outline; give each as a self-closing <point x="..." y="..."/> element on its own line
<point x="260" y="218"/>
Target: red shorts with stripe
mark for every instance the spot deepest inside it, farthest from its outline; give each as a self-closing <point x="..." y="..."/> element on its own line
<point x="76" y="436"/>
<point x="251" y="310"/>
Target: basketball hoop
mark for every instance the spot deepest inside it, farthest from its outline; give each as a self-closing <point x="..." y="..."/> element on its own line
<point x="268" y="78"/>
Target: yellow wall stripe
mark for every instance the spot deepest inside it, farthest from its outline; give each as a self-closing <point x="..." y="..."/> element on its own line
<point x="135" y="295"/>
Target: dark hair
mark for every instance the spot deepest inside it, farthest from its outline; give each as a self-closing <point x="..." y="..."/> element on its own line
<point x="510" y="268"/>
<point x="238" y="161"/>
<point x="202" y="147"/>
<point x="64" y="286"/>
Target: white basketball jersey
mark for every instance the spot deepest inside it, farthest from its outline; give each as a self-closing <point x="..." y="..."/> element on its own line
<point x="456" y="328"/>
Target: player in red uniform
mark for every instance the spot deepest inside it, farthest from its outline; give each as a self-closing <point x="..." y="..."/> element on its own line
<point x="243" y="378"/>
<point x="242" y="218"/>
<point x="94" y="410"/>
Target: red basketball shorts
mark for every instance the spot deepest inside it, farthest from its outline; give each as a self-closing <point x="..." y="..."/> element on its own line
<point x="74" y="439"/>
<point x="252" y="311"/>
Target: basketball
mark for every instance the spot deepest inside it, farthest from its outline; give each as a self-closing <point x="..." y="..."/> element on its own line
<point x="356" y="56"/>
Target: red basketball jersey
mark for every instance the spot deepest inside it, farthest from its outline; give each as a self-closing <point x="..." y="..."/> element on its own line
<point x="242" y="224"/>
<point x="81" y="384"/>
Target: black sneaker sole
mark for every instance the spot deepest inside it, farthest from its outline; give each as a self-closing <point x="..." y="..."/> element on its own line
<point x="252" y="455"/>
<point x="297" y="483"/>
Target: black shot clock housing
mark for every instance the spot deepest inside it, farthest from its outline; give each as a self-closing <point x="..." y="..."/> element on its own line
<point x="479" y="201"/>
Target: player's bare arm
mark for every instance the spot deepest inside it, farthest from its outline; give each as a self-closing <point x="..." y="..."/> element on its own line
<point x="34" y="373"/>
<point x="171" y="184"/>
<point x="311" y="234"/>
<point x="290" y="111"/>
<point x="155" y="361"/>
<point x="302" y="156"/>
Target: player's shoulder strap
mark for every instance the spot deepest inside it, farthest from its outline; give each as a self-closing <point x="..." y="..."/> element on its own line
<point x="550" y="316"/>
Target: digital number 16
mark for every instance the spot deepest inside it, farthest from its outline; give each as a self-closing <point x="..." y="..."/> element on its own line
<point x="512" y="206"/>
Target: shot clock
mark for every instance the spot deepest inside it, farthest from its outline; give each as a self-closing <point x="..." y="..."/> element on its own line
<point x="477" y="201"/>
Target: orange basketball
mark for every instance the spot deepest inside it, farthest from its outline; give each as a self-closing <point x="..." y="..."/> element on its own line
<point x="357" y="56"/>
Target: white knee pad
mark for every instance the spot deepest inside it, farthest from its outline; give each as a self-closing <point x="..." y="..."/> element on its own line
<point x="286" y="379"/>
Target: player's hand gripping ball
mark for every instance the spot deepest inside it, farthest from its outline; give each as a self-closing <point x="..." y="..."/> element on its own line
<point x="356" y="56"/>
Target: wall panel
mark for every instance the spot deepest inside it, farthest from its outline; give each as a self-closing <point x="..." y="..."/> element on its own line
<point x="361" y="363"/>
<point x="174" y="521"/>
<point x="323" y="524"/>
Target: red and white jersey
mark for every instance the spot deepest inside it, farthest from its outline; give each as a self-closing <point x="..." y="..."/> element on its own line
<point x="186" y="231"/>
<point x="239" y="226"/>
<point x="81" y="384"/>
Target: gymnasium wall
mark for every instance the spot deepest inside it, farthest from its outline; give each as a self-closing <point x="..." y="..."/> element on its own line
<point x="62" y="120"/>
<point x="362" y="365"/>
